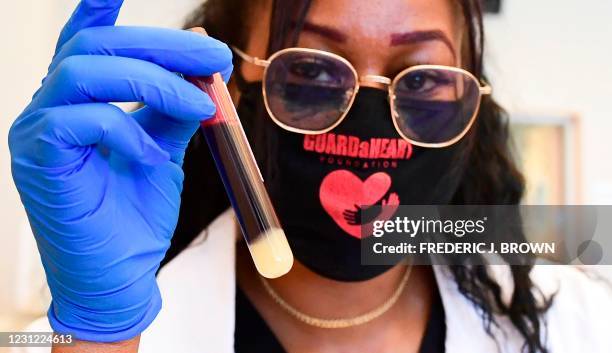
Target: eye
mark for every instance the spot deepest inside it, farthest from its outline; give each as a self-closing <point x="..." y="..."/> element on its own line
<point x="315" y="70"/>
<point x="424" y="82"/>
<point x="419" y="82"/>
<point x="416" y="81"/>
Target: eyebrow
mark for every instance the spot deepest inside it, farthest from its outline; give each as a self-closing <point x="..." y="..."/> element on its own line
<point x="419" y="37"/>
<point x="397" y="39"/>
<point x="324" y="31"/>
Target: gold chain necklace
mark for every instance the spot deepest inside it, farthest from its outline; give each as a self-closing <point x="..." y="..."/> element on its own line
<point x="339" y="323"/>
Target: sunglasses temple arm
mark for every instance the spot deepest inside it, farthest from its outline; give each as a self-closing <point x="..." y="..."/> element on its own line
<point x="250" y="59"/>
<point x="486" y="90"/>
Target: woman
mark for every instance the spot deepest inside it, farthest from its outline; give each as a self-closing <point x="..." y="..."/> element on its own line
<point x="102" y="190"/>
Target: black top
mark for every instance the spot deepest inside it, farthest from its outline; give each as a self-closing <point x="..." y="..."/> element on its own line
<point x="252" y="334"/>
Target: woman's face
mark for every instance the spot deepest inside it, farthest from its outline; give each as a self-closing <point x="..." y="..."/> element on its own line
<point x="379" y="37"/>
<point x="324" y="182"/>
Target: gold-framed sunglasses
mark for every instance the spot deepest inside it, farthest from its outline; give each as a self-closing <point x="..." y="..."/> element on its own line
<point x="310" y="91"/>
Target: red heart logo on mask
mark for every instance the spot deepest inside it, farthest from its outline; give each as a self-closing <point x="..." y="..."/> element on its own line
<point x="342" y="193"/>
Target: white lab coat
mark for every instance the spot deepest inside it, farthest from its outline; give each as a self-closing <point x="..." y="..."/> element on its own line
<point x="198" y="290"/>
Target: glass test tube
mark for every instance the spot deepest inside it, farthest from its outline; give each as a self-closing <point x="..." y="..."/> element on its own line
<point x="243" y="182"/>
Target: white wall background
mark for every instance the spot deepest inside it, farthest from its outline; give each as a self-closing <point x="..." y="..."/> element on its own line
<point x="550" y="57"/>
<point x="544" y="57"/>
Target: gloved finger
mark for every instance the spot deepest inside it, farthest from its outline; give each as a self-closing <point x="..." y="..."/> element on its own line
<point x="176" y="50"/>
<point x="225" y="73"/>
<point x="63" y="132"/>
<point x="170" y="134"/>
<point x="88" y="78"/>
<point x="89" y="13"/>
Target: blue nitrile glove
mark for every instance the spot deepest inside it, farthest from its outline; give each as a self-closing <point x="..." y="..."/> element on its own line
<point x="101" y="187"/>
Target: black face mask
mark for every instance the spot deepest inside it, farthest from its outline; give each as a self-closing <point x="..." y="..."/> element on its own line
<point x="316" y="182"/>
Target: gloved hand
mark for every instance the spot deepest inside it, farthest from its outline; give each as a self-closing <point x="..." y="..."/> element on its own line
<point x="101" y="187"/>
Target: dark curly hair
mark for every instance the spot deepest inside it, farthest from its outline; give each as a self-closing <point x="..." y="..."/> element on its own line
<point x="492" y="179"/>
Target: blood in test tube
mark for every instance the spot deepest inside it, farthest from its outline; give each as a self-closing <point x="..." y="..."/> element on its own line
<point x="243" y="182"/>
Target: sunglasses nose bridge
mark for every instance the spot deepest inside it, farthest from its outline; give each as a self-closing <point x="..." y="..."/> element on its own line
<point x="375" y="81"/>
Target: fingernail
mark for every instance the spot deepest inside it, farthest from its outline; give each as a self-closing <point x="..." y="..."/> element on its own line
<point x="198" y="30"/>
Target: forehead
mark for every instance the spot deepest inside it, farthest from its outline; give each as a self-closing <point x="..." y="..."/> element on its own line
<point x="379" y="20"/>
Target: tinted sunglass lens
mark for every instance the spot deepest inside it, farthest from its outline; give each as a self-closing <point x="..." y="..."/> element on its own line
<point x="435" y="105"/>
<point x="308" y="90"/>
